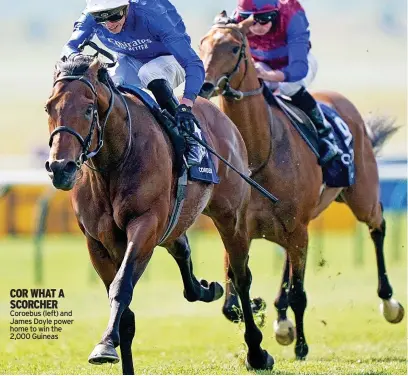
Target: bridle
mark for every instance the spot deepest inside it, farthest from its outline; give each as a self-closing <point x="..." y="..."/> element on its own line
<point x="228" y="91"/>
<point x="86" y="154"/>
<point x="236" y="94"/>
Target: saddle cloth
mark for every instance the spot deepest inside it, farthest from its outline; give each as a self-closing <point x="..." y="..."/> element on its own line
<point x="339" y="172"/>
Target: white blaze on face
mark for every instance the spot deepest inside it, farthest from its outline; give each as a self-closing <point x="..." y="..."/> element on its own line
<point x="218" y="35"/>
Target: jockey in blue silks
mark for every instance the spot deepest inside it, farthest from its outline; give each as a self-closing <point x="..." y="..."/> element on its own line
<point x="153" y="52"/>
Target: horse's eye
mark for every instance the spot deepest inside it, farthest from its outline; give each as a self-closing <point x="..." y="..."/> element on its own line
<point x="235" y="50"/>
<point x="89" y="111"/>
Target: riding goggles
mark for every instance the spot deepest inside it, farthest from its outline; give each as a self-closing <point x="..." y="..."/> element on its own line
<point x="261" y="18"/>
<point x="110" y="15"/>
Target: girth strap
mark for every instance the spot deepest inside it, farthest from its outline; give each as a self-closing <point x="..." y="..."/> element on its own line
<point x="178" y="205"/>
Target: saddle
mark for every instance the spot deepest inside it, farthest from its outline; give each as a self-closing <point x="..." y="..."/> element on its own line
<point x="205" y="172"/>
<point x="339" y="172"/>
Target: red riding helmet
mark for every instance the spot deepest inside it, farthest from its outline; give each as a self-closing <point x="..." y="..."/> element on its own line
<point x="257" y="6"/>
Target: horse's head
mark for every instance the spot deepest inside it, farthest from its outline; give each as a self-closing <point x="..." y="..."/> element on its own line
<point x="73" y="118"/>
<point x="224" y="51"/>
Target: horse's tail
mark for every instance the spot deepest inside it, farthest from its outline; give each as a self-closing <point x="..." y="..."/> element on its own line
<point x="379" y="130"/>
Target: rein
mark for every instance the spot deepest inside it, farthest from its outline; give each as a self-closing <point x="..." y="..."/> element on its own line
<point x="86" y="142"/>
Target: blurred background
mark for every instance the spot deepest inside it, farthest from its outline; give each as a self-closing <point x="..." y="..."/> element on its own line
<point x="361" y="47"/>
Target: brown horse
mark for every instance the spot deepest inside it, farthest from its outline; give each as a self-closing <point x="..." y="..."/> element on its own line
<point x="123" y="199"/>
<point x="283" y="163"/>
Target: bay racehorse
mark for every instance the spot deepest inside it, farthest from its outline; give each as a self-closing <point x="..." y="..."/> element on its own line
<point x="124" y="194"/>
<point x="283" y="163"/>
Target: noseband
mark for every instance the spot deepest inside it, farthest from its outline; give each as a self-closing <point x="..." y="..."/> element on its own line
<point x="86" y="142"/>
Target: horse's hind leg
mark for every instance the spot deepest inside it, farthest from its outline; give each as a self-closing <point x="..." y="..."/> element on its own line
<point x="193" y="289"/>
<point x="106" y="269"/>
<point x="372" y="215"/>
<point x="237" y="246"/>
<point x="391" y="309"/>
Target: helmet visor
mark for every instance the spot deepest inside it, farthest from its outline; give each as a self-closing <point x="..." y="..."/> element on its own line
<point x="109" y="15"/>
<point x="261" y="18"/>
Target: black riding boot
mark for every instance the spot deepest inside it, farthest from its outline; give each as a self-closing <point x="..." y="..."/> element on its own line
<point x="167" y="100"/>
<point x="327" y="147"/>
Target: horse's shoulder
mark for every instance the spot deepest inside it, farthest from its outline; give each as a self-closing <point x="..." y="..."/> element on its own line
<point x="208" y="111"/>
<point x="136" y="102"/>
<point x="140" y="113"/>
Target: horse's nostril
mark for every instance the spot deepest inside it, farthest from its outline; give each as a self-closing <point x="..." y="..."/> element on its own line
<point x="70" y="167"/>
<point x="58" y="167"/>
<point x="47" y="166"/>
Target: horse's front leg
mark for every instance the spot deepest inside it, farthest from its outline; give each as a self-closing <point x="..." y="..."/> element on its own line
<point x="106" y="269"/>
<point x="231" y="308"/>
<point x="141" y="235"/>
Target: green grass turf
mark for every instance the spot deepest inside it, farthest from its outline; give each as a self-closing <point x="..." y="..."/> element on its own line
<point x="344" y="329"/>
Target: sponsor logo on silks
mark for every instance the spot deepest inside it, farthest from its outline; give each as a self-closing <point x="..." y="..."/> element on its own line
<point x="136" y="45"/>
<point x="205" y="170"/>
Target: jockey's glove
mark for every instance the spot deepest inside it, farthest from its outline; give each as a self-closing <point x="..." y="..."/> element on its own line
<point x="185" y="118"/>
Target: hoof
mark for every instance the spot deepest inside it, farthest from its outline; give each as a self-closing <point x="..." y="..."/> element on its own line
<point x="284" y="332"/>
<point x="218" y="290"/>
<point x="267" y="365"/>
<point x="204" y="292"/>
<point x="233" y="313"/>
<point x="392" y="310"/>
<point x="103" y="353"/>
<point x="204" y="283"/>
<point x="210" y="292"/>
<point x="258" y="306"/>
<point x="301" y="351"/>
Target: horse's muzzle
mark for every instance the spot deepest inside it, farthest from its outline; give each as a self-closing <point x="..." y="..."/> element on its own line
<point x="207" y="90"/>
<point x="62" y="173"/>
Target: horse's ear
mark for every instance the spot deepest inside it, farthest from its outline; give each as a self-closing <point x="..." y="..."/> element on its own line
<point x="219" y="17"/>
<point x="57" y="69"/>
<point x="94" y="69"/>
<point x="246" y="24"/>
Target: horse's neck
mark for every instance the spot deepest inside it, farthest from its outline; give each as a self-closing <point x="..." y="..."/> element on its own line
<point x="116" y="134"/>
<point x="251" y="116"/>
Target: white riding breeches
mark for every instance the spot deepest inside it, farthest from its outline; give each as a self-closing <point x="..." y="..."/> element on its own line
<point x="129" y="70"/>
<point x="291" y="88"/>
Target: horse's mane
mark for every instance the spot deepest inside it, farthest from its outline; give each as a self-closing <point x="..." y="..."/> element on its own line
<point x="77" y="65"/>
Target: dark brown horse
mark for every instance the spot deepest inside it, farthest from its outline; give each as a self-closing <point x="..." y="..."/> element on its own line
<point x="283" y="163"/>
<point x="124" y="197"/>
